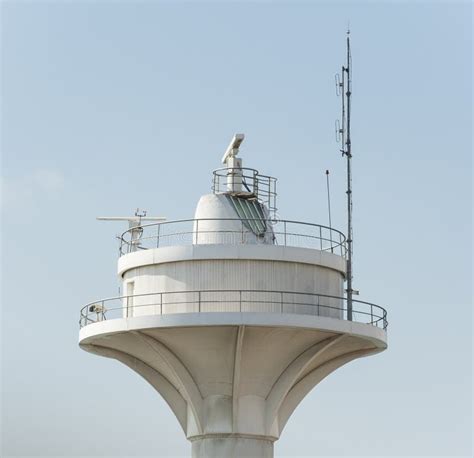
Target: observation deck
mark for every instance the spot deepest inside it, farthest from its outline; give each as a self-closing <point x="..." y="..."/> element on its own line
<point x="312" y="243"/>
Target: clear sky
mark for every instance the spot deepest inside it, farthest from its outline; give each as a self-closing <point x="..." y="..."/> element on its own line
<point x="108" y="106"/>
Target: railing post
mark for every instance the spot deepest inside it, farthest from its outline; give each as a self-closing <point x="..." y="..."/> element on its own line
<point x="197" y="232"/>
<point x="199" y="301"/>
<point x="242" y="229"/>
<point x="158" y="236"/>
<point x="281" y="302"/>
<point x="161" y="303"/>
<point x="240" y="301"/>
<point x="321" y="238"/>
<point x="284" y="230"/>
<point x="269" y="193"/>
<point x="371" y="314"/>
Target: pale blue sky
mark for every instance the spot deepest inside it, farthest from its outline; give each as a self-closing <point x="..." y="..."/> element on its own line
<point x="108" y="106"/>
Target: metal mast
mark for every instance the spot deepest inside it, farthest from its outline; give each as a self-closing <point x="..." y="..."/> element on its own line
<point x="348" y="155"/>
<point x="343" y="131"/>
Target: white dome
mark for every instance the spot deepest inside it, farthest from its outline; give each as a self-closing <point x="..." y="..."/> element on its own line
<point x="219" y="222"/>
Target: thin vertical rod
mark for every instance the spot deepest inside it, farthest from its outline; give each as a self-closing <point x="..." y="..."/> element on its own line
<point x="329" y="210"/>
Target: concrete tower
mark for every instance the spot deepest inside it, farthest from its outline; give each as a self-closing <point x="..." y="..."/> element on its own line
<point x="233" y="316"/>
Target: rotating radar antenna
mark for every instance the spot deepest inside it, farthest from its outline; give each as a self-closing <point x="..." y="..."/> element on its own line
<point x="134" y="224"/>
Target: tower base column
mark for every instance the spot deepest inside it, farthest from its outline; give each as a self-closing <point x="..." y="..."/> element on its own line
<point x="232" y="446"/>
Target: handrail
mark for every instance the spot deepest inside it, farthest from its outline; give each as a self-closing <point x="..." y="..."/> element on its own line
<point x="323" y="303"/>
<point x="263" y="187"/>
<point x="280" y="232"/>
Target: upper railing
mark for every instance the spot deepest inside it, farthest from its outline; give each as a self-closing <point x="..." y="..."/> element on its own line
<point x="255" y="301"/>
<point x="232" y="231"/>
<point x="249" y="181"/>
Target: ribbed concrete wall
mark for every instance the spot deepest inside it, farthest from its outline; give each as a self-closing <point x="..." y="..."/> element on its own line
<point x="236" y="274"/>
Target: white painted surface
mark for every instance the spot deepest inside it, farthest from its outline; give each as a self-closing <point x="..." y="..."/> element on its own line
<point x="129" y="306"/>
<point x="231" y="376"/>
<point x="224" y="226"/>
<point x="183" y="320"/>
<point x="257" y="252"/>
<point x="241" y="267"/>
<point x="231" y="447"/>
<point x="234" y="175"/>
<point x="216" y="275"/>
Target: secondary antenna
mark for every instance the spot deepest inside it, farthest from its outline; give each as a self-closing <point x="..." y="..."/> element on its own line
<point x="343" y="132"/>
<point x="134" y="223"/>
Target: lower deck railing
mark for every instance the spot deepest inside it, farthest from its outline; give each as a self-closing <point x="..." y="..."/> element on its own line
<point x="257" y="301"/>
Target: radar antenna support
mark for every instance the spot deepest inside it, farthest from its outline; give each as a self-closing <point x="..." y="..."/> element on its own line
<point x="235" y="178"/>
<point x="344" y="88"/>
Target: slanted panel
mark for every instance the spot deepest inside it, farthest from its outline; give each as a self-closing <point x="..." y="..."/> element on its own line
<point x="251" y="213"/>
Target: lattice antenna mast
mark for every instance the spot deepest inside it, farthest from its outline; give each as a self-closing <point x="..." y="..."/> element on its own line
<point x="348" y="154"/>
<point x="343" y="133"/>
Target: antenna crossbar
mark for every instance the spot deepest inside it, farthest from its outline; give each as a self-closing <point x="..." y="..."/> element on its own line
<point x="131" y="218"/>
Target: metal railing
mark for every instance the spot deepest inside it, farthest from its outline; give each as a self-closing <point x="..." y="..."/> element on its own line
<point x="233" y="231"/>
<point x="250" y="181"/>
<point x="204" y="301"/>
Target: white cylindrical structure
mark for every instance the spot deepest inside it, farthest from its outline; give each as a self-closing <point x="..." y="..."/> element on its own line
<point x="228" y="446"/>
<point x="235" y="328"/>
<point x="234" y="174"/>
